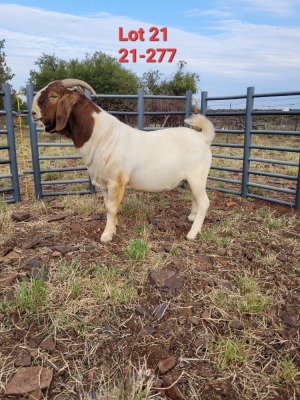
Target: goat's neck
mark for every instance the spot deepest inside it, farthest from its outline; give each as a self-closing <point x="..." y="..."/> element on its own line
<point x="81" y="122"/>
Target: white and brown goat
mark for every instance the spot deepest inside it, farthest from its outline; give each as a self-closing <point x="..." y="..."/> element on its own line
<point x="118" y="156"/>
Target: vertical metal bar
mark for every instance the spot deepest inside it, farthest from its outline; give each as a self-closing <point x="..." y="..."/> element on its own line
<point x="247" y="140"/>
<point x="204" y="96"/>
<point x="92" y="188"/>
<point x="34" y="146"/>
<point x="297" y="198"/>
<point x="188" y="104"/>
<point x="140" y="109"/>
<point x="11" y="142"/>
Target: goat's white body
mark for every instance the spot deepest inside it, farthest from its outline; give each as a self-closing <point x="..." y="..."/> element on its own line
<point x="118" y="156"/>
<point x="150" y="161"/>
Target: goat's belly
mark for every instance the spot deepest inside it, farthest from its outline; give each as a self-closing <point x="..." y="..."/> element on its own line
<point x="154" y="182"/>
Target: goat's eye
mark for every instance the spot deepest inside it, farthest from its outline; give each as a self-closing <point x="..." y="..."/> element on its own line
<point x="53" y="96"/>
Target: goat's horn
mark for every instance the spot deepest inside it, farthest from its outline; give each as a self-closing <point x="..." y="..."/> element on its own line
<point x="77" y="82"/>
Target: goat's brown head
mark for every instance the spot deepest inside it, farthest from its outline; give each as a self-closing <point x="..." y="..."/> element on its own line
<point x="52" y="105"/>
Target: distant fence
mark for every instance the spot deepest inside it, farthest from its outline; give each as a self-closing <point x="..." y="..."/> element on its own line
<point x="238" y="180"/>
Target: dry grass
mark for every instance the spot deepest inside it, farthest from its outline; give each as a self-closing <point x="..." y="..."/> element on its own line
<point x="86" y="300"/>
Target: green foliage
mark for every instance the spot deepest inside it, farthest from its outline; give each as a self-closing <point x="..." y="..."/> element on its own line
<point x="5" y="71"/>
<point x="154" y="82"/>
<point x="104" y="73"/>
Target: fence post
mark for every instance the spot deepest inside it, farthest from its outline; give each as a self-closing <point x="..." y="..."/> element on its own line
<point x="34" y="146"/>
<point x="247" y="140"/>
<point x="297" y="199"/>
<point x="204" y="96"/>
<point x="188" y="104"/>
<point x="140" y="109"/>
<point x="11" y="141"/>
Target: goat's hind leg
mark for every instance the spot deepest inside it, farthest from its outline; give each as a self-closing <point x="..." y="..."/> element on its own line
<point x="200" y="205"/>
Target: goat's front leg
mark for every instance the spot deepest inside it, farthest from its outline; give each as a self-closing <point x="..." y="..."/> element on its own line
<point x="112" y="200"/>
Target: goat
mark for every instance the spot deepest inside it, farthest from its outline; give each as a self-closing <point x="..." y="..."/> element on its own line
<point x="118" y="156"/>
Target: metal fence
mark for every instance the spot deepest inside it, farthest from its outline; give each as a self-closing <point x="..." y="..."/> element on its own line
<point x="235" y="179"/>
<point x="8" y="158"/>
<point x="245" y="185"/>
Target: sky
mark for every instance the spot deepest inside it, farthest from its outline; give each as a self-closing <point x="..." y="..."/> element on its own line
<point x="231" y="44"/>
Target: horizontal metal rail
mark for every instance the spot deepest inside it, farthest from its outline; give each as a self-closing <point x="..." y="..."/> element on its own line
<point x="274" y="188"/>
<point x="65" y="181"/>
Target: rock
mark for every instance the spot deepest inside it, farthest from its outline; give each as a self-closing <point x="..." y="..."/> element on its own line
<point x="7" y="279"/>
<point x="289" y="320"/>
<point x="148" y="330"/>
<point x="11" y="255"/>
<point x="194" y="320"/>
<point x="33" y="262"/>
<point x="160" y="310"/>
<point x="58" y="217"/>
<point x="141" y="311"/>
<point x="39" y="273"/>
<point x="29" y="379"/>
<point x="228" y="285"/>
<point x="63" y="249"/>
<point x="166" y="278"/>
<point x="20" y="216"/>
<point x="236" y="324"/>
<point x="23" y="362"/>
<point x="221" y="252"/>
<point x="30" y="243"/>
<point x="36" y="395"/>
<point x="204" y="262"/>
<point x="249" y="255"/>
<point x="185" y="311"/>
<point x="48" y="344"/>
<point x="198" y="343"/>
<point x="230" y="203"/>
<point x="206" y="314"/>
<point x="56" y="254"/>
<point x="166" y="365"/>
<point x="173" y="393"/>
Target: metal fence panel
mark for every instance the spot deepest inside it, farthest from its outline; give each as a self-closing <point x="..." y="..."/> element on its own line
<point x="246" y="184"/>
<point x="10" y="193"/>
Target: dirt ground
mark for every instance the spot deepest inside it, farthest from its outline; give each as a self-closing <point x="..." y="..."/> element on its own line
<point x="215" y="318"/>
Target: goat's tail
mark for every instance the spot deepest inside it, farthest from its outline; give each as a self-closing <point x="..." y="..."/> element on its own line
<point x="200" y="121"/>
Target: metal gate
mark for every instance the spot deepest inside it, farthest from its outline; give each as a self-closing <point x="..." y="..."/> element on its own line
<point x="9" y="179"/>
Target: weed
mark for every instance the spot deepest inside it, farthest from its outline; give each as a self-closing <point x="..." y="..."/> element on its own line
<point x="251" y="300"/>
<point x="31" y="296"/>
<point x="75" y="289"/>
<point x="223" y="241"/>
<point x="136" y="251"/>
<point x="229" y="352"/>
<point x="252" y="303"/>
<point x="287" y="371"/>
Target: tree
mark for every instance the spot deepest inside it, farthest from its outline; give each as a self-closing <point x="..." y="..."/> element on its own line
<point x="177" y="85"/>
<point x="102" y="72"/>
<point x="5" y="71"/>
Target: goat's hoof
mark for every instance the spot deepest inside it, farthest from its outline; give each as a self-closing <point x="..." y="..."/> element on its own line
<point x="106" y="237"/>
<point x="192" y="217"/>
<point x="190" y="236"/>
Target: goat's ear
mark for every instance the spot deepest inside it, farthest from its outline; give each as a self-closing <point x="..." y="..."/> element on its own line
<point x="63" y="111"/>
